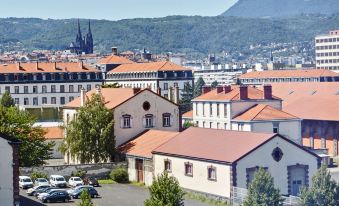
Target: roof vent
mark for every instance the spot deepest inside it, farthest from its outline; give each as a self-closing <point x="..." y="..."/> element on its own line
<point x="337" y="93"/>
<point x="290" y="92"/>
<point x="313" y="92"/>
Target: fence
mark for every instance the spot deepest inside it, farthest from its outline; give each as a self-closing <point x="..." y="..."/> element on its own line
<point x="239" y="195"/>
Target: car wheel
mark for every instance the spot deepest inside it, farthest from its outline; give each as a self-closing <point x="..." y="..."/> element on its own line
<point x="48" y="200"/>
<point x="66" y="200"/>
<point x="95" y="196"/>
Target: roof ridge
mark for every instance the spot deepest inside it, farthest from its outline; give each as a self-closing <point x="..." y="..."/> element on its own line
<point x="265" y="105"/>
<point x="163" y="65"/>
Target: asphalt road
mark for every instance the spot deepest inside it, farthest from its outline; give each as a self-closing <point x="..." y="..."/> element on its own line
<point x="112" y="194"/>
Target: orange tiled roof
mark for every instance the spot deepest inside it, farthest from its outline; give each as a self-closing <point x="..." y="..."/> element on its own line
<point x="53" y="133"/>
<point x="188" y="114"/>
<point x="150" y="66"/>
<point x="113" y="59"/>
<point x="234" y="94"/>
<point x="112" y="96"/>
<point x="262" y="112"/>
<point x="46" y="67"/>
<point x="289" y="73"/>
<point x="143" y="145"/>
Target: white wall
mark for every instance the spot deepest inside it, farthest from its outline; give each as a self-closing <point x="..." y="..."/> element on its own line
<point x="238" y="107"/>
<point x="214" y="118"/>
<point x="6" y="171"/>
<point x="148" y="170"/>
<point x="262" y="157"/>
<point x="199" y="181"/>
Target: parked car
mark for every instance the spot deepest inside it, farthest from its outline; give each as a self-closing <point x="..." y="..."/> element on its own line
<point x="57" y="181"/>
<point x="56" y="196"/>
<point x="41" y="181"/>
<point x="91" y="181"/>
<point x="25" y="182"/>
<point x="33" y="190"/>
<point x="76" y="193"/>
<point x="75" y="181"/>
<point x="78" y="187"/>
<point x="46" y="190"/>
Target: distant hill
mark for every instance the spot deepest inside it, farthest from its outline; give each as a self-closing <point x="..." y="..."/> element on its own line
<point x="174" y="33"/>
<point x="282" y="8"/>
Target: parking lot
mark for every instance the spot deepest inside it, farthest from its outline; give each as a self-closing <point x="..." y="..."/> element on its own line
<point x="111" y="194"/>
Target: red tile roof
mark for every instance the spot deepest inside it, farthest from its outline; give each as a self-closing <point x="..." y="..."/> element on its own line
<point x="143" y="145"/>
<point x="53" y="133"/>
<point x="46" y="67"/>
<point x="113" y="59"/>
<point x="213" y="144"/>
<point x="188" y="114"/>
<point x="262" y="112"/>
<point x="150" y="66"/>
<point x="234" y="94"/>
<point x="289" y="73"/>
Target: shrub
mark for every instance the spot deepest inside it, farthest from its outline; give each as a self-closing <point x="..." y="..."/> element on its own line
<point x="85" y="199"/>
<point x="80" y="173"/>
<point x="36" y="175"/>
<point x="119" y="175"/>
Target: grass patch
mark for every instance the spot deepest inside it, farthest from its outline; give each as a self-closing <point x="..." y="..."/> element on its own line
<point x="204" y="199"/>
<point x="107" y="181"/>
<point x="138" y="184"/>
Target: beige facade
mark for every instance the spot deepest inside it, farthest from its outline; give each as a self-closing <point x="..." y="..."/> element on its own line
<point x="6" y="171"/>
<point x="147" y="170"/>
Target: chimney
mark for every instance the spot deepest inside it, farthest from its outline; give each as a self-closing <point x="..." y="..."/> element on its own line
<point x="114" y="50"/>
<point x="267" y="91"/>
<point x="159" y="91"/>
<point x="18" y="66"/>
<point x="206" y="89"/>
<point x="243" y="92"/>
<point x="37" y="66"/>
<point x="170" y="93"/>
<point x="82" y="97"/>
<point x="227" y="88"/>
<point x="81" y="64"/>
<point x="176" y="95"/>
<point x="219" y="89"/>
<point x="136" y="90"/>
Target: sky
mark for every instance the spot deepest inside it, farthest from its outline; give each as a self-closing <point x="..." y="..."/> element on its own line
<point x="111" y="9"/>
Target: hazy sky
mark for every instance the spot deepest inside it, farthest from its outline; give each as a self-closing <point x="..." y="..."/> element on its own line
<point x="111" y="9"/>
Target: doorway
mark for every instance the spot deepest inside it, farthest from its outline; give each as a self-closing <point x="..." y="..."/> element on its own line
<point x="139" y="166"/>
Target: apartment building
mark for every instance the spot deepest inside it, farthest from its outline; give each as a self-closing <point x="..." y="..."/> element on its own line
<point x="39" y="84"/>
<point x="327" y="51"/>
<point x="222" y="76"/>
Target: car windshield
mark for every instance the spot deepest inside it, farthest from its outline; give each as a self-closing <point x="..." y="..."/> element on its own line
<point x="60" y="179"/>
<point x="27" y="180"/>
<point x="77" y="179"/>
<point x="42" y="180"/>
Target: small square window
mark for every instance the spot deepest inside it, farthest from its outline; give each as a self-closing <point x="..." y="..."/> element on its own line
<point x="168" y="165"/>
<point x="211" y="173"/>
<point x="189" y="169"/>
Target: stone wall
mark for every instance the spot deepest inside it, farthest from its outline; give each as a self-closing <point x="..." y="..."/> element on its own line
<point x="100" y="170"/>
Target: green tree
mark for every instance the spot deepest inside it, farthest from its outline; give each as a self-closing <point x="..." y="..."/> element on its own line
<point x="214" y="84"/>
<point x="114" y="85"/>
<point x="261" y="191"/>
<point x="85" y="199"/>
<point x="198" y="87"/>
<point x="323" y="192"/>
<point x="165" y="191"/>
<point x="186" y="98"/>
<point x="34" y="151"/>
<point x="6" y="100"/>
<point x="90" y="136"/>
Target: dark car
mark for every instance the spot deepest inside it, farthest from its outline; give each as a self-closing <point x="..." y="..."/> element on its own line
<point x="91" y="181"/>
<point x="76" y="193"/>
<point x="32" y="191"/>
<point x="44" y="190"/>
<point x="56" y="196"/>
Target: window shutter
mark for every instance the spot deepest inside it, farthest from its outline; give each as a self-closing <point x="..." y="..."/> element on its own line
<point x="131" y="122"/>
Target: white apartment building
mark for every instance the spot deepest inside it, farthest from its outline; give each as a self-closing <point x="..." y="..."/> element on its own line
<point x="244" y="108"/>
<point x="47" y="84"/>
<point x="153" y="75"/>
<point x="222" y="76"/>
<point x="327" y="51"/>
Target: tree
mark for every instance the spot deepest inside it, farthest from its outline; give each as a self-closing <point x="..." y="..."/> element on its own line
<point x="198" y="87"/>
<point x="85" y="198"/>
<point x="114" y="85"/>
<point x="214" y="84"/>
<point x="186" y="98"/>
<point x="34" y="151"/>
<point x="324" y="191"/>
<point x="90" y="136"/>
<point x="261" y="191"/>
<point x="7" y="100"/>
<point x="165" y="191"/>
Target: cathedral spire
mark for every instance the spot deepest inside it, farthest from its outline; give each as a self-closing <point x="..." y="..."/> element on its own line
<point x="89" y="27"/>
<point x="79" y="30"/>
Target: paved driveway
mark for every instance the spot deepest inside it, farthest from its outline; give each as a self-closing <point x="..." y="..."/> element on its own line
<point x="113" y="194"/>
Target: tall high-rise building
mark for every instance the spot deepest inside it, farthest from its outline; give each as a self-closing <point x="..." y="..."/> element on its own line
<point x="327" y="51"/>
<point x="83" y="44"/>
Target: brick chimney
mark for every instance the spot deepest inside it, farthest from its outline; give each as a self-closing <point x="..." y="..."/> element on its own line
<point x="267" y="91"/>
<point x="243" y="92"/>
<point x="136" y="90"/>
<point x="82" y="97"/>
<point x="114" y="50"/>
<point x="227" y="88"/>
<point x="220" y="89"/>
<point x="159" y="91"/>
<point x="206" y="89"/>
<point x="176" y="95"/>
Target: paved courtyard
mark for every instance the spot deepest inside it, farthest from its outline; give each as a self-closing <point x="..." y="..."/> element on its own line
<point x="112" y="194"/>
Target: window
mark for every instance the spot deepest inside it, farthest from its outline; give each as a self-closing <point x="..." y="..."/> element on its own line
<point x="168" y="165"/>
<point x="126" y="121"/>
<point x="210" y="124"/>
<point x="26" y="89"/>
<point x="275" y="127"/>
<point x="146" y="106"/>
<point x="89" y="87"/>
<point x="8" y="89"/>
<point x="35" y="101"/>
<point x="211" y="173"/>
<point x="175" y="84"/>
<point x="53" y="88"/>
<point x="218" y="125"/>
<point x="166" y="120"/>
<point x="16" y="90"/>
<point x="203" y="124"/>
<point x="225" y="110"/>
<point x="26" y="101"/>
<point x="44" y="89"/>
<point x="188" y="169"/>
<point x="71" y="88"/>
<point x="165" y="86"/>
<point x="71" y="98"/>
<point x="16" y="101"/>
<point x="240" y="127"/>
<point x="62" y="100"/>
<point x="218" y="110"/>
<point x="44" y="100"/>
<point x="203" y="109"/>
<point x="79" y="88"/>
<point x="53" y="100"/>
<point x="62" y="88"/>
<point x="211" y="110"/>
<point x="35" y="89"/>
<point x="225" y="125"/>
<point x="149" y="121"/>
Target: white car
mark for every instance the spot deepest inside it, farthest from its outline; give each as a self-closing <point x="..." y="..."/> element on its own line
<point x="57" y="181"/>
<point x="41" y="182"/>
<point x="25" y="182"/>
<point x="75" y="181"/>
